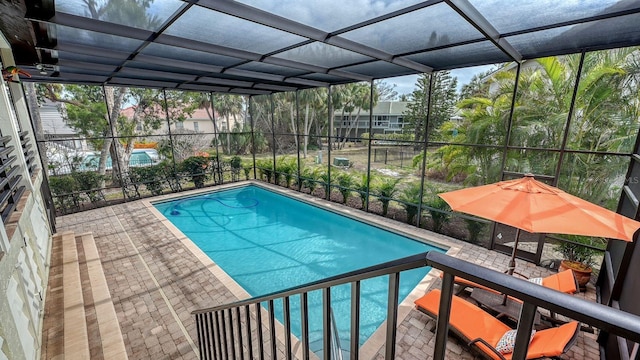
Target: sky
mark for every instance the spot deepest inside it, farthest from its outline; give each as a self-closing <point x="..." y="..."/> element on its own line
<point x="406" y="84"/>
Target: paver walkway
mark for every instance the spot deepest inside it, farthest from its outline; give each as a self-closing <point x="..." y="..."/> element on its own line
<point x="156" y="281"/>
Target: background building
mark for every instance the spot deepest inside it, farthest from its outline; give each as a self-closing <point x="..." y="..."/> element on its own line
<point x="387" y="118"/>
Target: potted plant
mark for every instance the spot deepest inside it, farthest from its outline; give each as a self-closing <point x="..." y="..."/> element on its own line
<point x="578" y="254"/>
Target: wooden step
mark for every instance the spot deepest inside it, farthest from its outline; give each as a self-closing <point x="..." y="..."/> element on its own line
<point x="76" y="340"/>
<point x="80" y="318"/>
<point x="112" y="342"/>
<point x="53" y="326"/>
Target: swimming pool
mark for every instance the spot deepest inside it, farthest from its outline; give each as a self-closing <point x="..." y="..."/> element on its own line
<point x="269" y="242"/>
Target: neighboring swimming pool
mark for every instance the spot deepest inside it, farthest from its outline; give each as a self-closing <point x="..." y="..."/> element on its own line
<point x="269" y="242"/>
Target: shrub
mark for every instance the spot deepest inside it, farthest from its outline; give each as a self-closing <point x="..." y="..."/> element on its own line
<point x="346" y="182"/>
<point x="394" y="136"/>
<point x="385" y="189"/>
<point x="265" y="168"/>
<point x="439" y="211"/>
<point x="63" y="184"/>
<point x="365" y="138"/>
<point x="196" y="167"/>
<point x="236" y="162"/>
<point x="299" y="181"/>
<point x="362" y="188"/>
<point x="90" y="182"/>
<point x="410" y="199"/>
<point x="309" y="178"/>
<point x="247" y="166"/>
<point x="65" y="191"/>
<point x="323" y="176"/>
<point x="151" y="176"/>
<point x="235" y="165"/>
<point x="171" y="175"/>
<point x="475" y="228"/>
<point x="286" y="168"/>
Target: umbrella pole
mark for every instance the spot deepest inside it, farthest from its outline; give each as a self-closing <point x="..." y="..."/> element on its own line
<point x="512" y="262"/>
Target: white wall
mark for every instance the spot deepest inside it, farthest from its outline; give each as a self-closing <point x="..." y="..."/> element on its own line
<point x="25" y="239"/>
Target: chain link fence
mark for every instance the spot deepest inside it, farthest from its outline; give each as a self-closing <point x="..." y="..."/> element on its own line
<point x="402" y="157"/>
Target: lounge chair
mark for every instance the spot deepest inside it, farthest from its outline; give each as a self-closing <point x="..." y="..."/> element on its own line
<point x="563" y="281"/>
<point x="483" y="332"/>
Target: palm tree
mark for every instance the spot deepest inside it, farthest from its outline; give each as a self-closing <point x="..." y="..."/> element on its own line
<point x="260" y="110"/>
<point x="346" y="182"/>
<point x="485" y="123"/>
<point x="543" y="101"/>
<point x="362" y="187"/>
<point x="603" y="119"/>
<point x="286" y="167"/>
<point x="265" y="167"/>
<point x="410" y="198"/>
<point x="314" y="109"/>
<point x="475" y="228"/>
<point x="324" y="179"/>
<point x="350" y="98"/>
<point x="285" y="119"/>
<point x="310" y="178"/>
<point x="385" y="189"/>
<point x="226" y="106"/>
<point x="439" y="211"/>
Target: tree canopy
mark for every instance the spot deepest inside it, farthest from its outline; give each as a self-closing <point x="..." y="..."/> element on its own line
<point x="443" y="100"/>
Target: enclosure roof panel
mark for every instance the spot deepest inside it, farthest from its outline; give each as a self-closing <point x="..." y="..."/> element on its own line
<point x="256" y="47"/>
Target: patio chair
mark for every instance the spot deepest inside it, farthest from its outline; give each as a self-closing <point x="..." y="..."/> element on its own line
<point x="485" y="333"/>
<point x="563" y="281"/>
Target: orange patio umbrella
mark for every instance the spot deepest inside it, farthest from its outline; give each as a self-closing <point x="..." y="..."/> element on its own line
<point x="536" y="207"/>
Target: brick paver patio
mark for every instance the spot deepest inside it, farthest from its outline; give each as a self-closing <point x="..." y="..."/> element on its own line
<point x="156" y="281"/>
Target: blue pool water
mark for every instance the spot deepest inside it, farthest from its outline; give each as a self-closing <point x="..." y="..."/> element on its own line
<point x="269" y="242"/>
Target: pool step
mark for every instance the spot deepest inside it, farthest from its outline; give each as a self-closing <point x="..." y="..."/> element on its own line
<point x="316" y="348"/>
<point x="80" y="319"/>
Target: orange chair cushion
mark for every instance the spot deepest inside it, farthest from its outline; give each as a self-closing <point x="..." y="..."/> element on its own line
<point x="563" y="281"/>
<point x="550" y="342"/>
<point x="469" y="320"/>
<point x="472" y="322"/>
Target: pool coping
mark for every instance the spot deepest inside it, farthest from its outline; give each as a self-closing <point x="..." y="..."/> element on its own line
<point x="377" y="340"/>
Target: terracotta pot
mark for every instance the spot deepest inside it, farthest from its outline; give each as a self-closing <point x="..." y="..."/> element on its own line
<point x="582" y="274"/>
